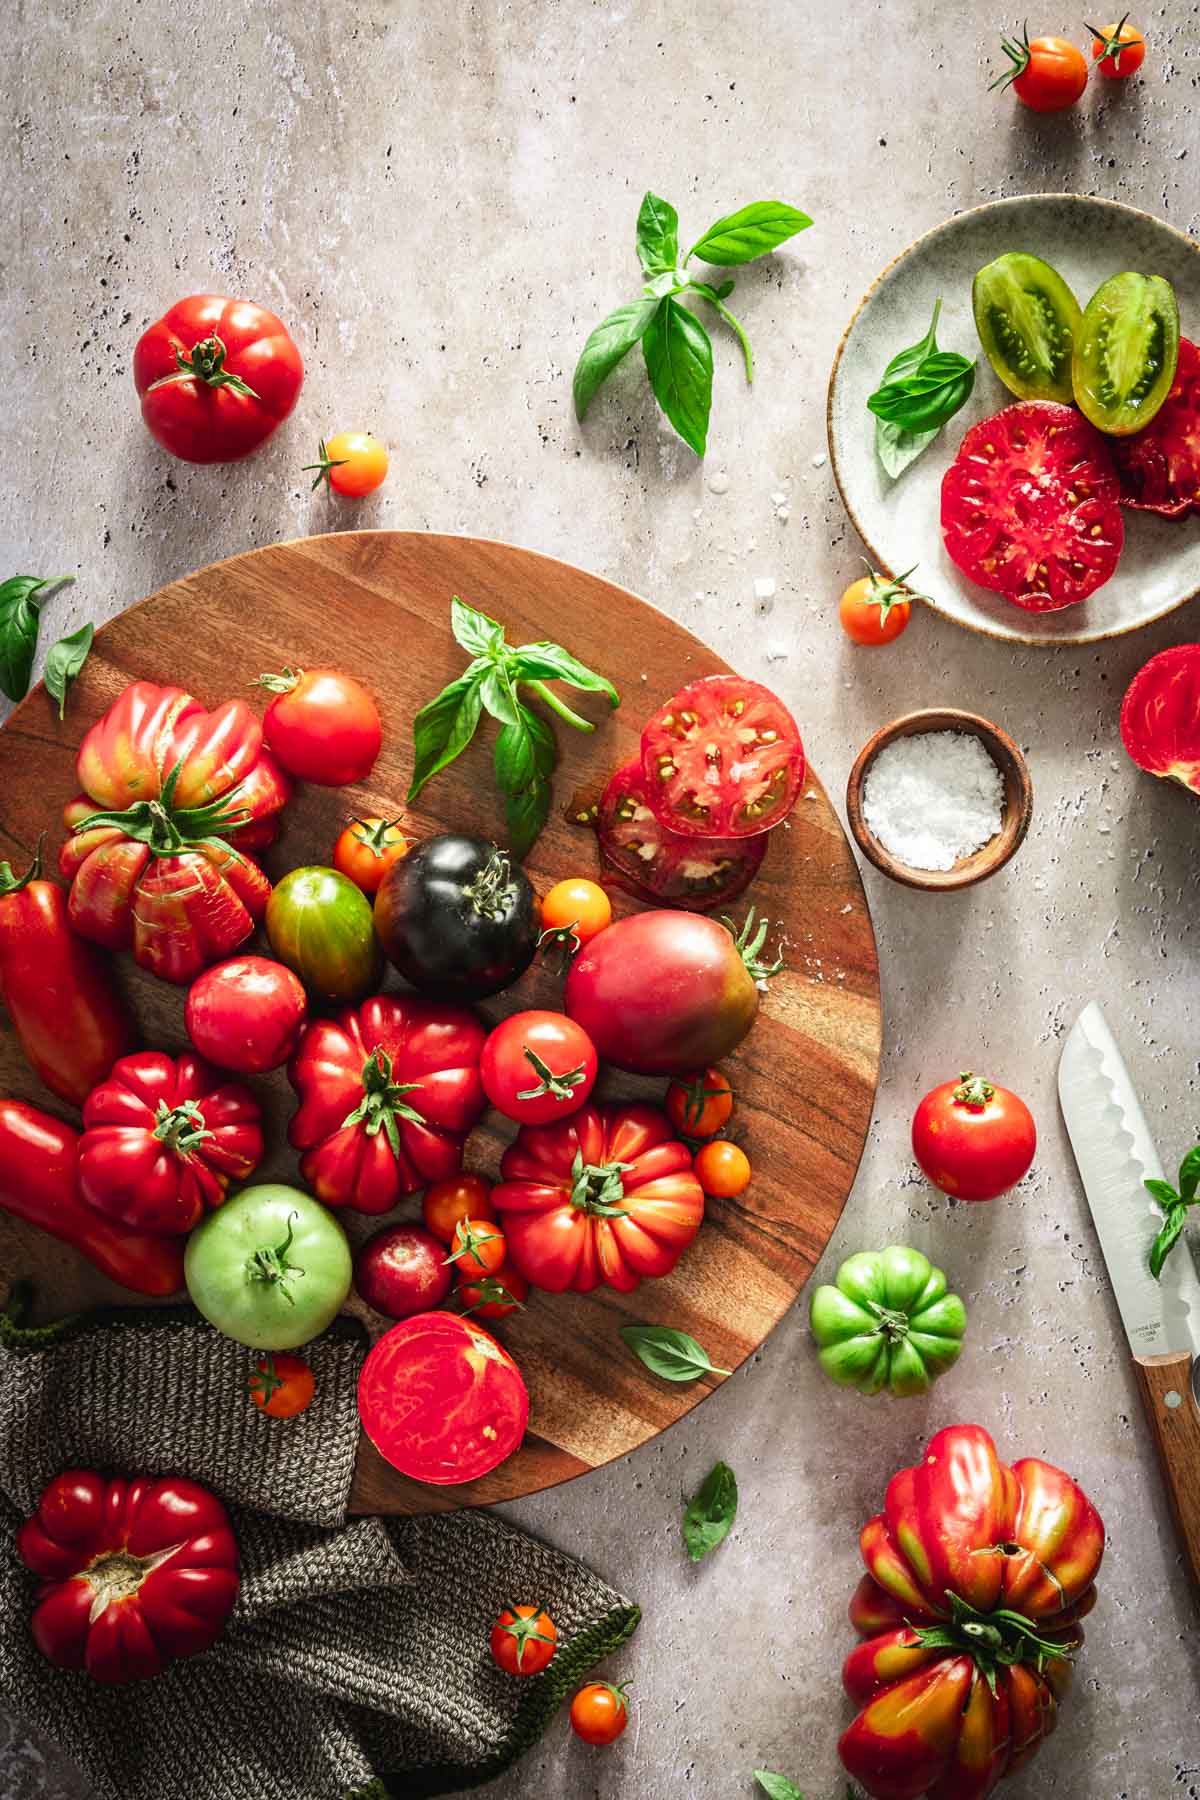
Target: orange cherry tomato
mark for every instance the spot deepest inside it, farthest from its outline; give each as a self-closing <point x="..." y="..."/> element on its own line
<point x="366" y="850"/>
<point x="1118" y="50"/>
<point x="352" y="463"/>
<point x="281" y="1385"/>
<point x="494" y="1296"/>
<point x="460" y="1196"/>
<point x="699" y="1105"/>
<point x="874" y="610"/>
<point x="574" y="912"/>
<point x="523" y="1640"/>
<point x="477" y="1248"/>
<point x="1047" y="75"/>
<point x="722" y="1169"/>
<point x="600" y="1712"/>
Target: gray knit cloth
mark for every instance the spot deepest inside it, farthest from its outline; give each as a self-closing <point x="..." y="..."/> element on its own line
<point x="356" y="1661"/>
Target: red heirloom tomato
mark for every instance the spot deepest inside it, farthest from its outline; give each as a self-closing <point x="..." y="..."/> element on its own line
<point x="246" y="1014"/>
<point x="281" y="1385"/>
<point x="402" y="1270"/>
<point x="441" y="1400"/>
<point x="215" y="377"/>
<point x="460" y="1196"/>
<point x="538" y="1066"/>
<point x="973" y="1140"/>
<point x="978" y="1574"/>
<point x="173" y="797"/>
<point x="366" y="850"/>
<point x="1029" y="506"/>
<point x="523" y="1640"/>
<point x="1159" y="466"/>
<point x="1160" y="716"/>
<point x="388" y="1092"/>
<point x="162" y="1139"/>
<point x="134" y="1573"/>
<point x="606" y="1195"/>
<point x="656" y="864"/>
<point x="323" y="727"/>
<point x="722" y="758"/>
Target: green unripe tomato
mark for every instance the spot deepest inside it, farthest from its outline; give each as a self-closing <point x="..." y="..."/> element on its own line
<point x="271" y="1267"/>
<point x="322" y="927"/>
<point x="888" y="1323"/>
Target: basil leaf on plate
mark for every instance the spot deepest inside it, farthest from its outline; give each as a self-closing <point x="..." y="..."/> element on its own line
<point x="922" y="387"/>
<point x="65" y="660"/>
<point x="710" y="1512"/>
<point x="896" y="447"/>
<point x="672" y="1354"/>
<point x="657" y="235"/>
<point x="678" y="354"/>
<point x="751" y="231"/>
<point x="20" y="611"/>
<point x="612" y="339"/>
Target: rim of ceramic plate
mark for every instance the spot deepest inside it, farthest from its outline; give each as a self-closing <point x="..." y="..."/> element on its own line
<point x="880" y="562"/>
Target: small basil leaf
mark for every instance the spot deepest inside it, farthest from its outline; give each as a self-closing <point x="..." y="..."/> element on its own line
<point x="1164" y="1193"/>
<point x="1166" y="1240"/>
<point x="657" y="235"/>
<point x="525" y="752"/>
<point x="710" y="1512"/>
<point x="526" y="814"/>
<point x="777" y="1787"/>
<point x="476" y="633"/>
<point x="896" y="448"/>
<point x="907" y="362"/>
<point x="19" y="617"/>
<point x="925" y="400"/>
<point x="550" y="662"/>
<point x="751" y="231"/>
<point x="64" y="661"/>
<point x="612" y="339"/>
<point x="444" y="727"/>
<point x="498" y="694"/>
<point x="678" y="354"/>
<point x="1189" y="1174"/>
<point x="669" y="1353"/>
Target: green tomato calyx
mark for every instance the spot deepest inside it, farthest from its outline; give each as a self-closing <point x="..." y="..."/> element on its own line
<point x="383" y="1101"/>
<point x="749" y="945"/>
<point x="168" y="830"/>
<point x="994" y="1640"/>
<point x="559" y="1087"/>
<point x="265" y="1380"/>
<point x="890" y="1322"/>
<point x="522" y="1630"/>
<point x="270" y="1264"/>
<point x="11" y="883"/>
<point x="283" y="683"/>
<point x="973" y="1090"/>
<point x="374" y="836"/>
<point x="206" y="363"/>
<point x="180" y="1128"/>
<point x="597" y="1188"/>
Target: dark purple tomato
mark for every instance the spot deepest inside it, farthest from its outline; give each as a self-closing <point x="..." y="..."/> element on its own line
<point x="402" y="1270"/>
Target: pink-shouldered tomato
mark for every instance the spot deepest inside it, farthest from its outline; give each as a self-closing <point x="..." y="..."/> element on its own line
<point x="246" y="1014"/>
<point x="973" y="1140"/>
<point x="322" y="725"/>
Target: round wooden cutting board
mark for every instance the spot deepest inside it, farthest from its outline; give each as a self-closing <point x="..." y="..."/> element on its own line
<point x="377" y="603"/>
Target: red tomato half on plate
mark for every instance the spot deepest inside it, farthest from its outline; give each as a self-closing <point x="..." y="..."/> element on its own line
<point x="441" y="1400"/>
<point x="666" y="866"/>
<point x="1029" y="506"/>
<point x="1159" y="467"/>
<point x="722" y="758"/>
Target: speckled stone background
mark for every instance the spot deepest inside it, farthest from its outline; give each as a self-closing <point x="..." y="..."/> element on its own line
<point x="440" y="201"/>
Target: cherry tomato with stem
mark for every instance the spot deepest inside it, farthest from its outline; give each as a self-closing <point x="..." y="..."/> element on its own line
<point x="401" y="1271"/>
<point x="494" y="1296"/>
<point x="874" y="610"/>
<point x="366" y="850"/>
<point x="462" y="1196"/>
<point x="477" y="1248"/>
<point x="281" y="1385"/>
<point x="722" y="1169"/>
<point x="352" y="463"/>
<point x="321" y="725"/>
<point x="573" y="912"/>
<point x="698" y="1105"/>
<point x="973" y="1139"/>
<point x="523" y="1640"/>
<point x="600" y="1712"/>
<point x="1047" y="75"/>
<point x="1118" y="50"/>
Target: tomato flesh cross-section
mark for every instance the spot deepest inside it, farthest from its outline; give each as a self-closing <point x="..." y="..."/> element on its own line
<point x="1159" y="467"/>
<point x="669" y="867"/>
<point x="722" y="758"/>
<point x="441" y="1400"/>
<point x="1030" y="506"/>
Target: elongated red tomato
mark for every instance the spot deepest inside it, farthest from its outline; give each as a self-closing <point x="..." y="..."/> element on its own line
<point x="441" y="1400"/>
<point x="1160" y="716"/>
<point x="666" y="866"/>
<point x="1159" y="467"/>
<point x="1029" y="506"/>
<point x="722" y="758"/>
<point x="215" y="377"/>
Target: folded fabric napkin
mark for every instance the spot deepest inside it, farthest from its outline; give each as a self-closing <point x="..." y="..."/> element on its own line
<point x="356" y="1661"/>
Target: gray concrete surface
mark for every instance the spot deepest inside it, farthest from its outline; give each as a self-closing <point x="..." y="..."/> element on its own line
<point x="440" y="201"/>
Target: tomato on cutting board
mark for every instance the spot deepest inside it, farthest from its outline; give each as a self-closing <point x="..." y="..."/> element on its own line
<point x="973" y="1140"/>
<point x="323" y="726"/>
<point x="573" y="912"/>
<point x="698" y="1105"/>
<point x="366" y="849"/>
<point x="461" y="1196"/>
<point x="722" y="758"/>
<point x="538" y="1066"/>
<point x="215" y="377"/>
<point x="441" y="1400"/>
<point x="246" y="1014"/>
<point x="669" y="867"/>
<point x="402" y="1270"/>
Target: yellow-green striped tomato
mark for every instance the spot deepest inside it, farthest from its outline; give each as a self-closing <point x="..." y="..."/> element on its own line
<point x="888" y="1322"/>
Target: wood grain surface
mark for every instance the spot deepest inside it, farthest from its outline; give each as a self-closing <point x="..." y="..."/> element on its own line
<point x="376" y="603"/>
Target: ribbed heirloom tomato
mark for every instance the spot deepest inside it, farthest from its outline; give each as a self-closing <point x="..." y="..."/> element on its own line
<point x="215" y="377"/>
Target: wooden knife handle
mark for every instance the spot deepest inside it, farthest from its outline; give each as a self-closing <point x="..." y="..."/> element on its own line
<point x="1165" y="1383"/>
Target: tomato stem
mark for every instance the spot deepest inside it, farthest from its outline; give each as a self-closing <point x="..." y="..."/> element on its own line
<point x="180" y="1128"/>
<point x="266" y="1381"/>
<point x="383" y="1099"/>
<point x="560" y="1087"/>
<point x="597" y="1187"/>
<point x="373" y="837"/>
<point x="11" y="883"/>
<point x="270" y="1263"/>
<point x="206" y="363"/>
<point x="165" y="829"/>
<point x="749" y="944"/>
<point x="323" y="467"/>
<point x="566" y="713"/>
<point x="993" y="1640"/>
<point x="491" y="891"/>
<point x="282" y="683"/>
<point x="1018" y="53"/>
<point x="973" y="1090"/>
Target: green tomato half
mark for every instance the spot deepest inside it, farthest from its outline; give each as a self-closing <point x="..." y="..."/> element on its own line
<point x="271" y="1267"/>
<point x="1126" y="352"/>
<point x="1027" y="318"/>
<point x="322" y="927"/>
<point x="888" y="1323"/>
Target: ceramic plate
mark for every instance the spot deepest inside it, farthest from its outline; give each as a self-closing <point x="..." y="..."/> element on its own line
<point x="899" y="521"/>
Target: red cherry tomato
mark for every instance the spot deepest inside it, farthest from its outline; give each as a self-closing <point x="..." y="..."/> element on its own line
<point x="246" y="1014"/>
<point x="523" y="1640"/>
<point x="366" y="850"/>
<point x="600" y="1712"/>
<point x="281" y="1385"/>
<point x="722" y="758"/>
<point x="1046" y="75"/>
<point x="494" y="1296"/>
<point x="698" y="1106"/>
<point x="441" y="1400"/>
<point x="722" y="1169"/>
<point x="477" y="1248"/>
<point x="352" y="463"/>
<point x="215" y="377"/>
<point x="1118" y="50"/>
<point x="323" y="727"/>
<point x="972" y="1139"/>
<point x="402" y="1270"/>
<point x="538" y="1066"/>
<point x="457" y="1197"/>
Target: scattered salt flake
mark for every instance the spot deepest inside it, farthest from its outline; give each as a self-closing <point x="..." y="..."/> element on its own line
<point x="699" y="594"/>
<point x="933" y="797"/>
<point x="764" y="587"/>
<point x="783" y="514"/>
<point x="811" y="794"/>
<point x="777" y="651"/>
<point x="697" y="511"/>
<point x="718" y="481"/>
<point x="819" y="460"/>
<point x="778" y="499"/>
<point x="847" y="908"/>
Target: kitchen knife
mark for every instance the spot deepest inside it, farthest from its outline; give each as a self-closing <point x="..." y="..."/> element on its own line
<point x="1116" y="1154"/>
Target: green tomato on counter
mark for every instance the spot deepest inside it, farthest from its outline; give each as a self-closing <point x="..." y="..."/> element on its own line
<point x="888" y="1323"/>
<point x="270" y="1268"/>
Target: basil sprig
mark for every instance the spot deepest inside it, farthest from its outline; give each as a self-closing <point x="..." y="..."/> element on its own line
<point x="922" y="388"/>
<point x="1174" y="1203"/>
<point x="710" y="1512"/>
<point x="674" y="1355"/>
<point x="676" y="347"/>
<point x="20" y="615"/>
<point x="526" y="753"/>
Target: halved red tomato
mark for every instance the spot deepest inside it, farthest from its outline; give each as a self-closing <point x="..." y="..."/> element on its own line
<point x="441" y="1400"/>
<point x="656" y="864"/>
<point x="1160" y="716"/>
<point x="722" y="758"/>
<point x="1029" y="506"/>
<point x="1159" y="468"/>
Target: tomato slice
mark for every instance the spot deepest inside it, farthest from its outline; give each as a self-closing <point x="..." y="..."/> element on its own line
<point x="441" y="1400"/>
<point x="722" y="758"/>
<point x="1159" y="467"/>
<point x="1029" y="506"/>
<point x="655" y="864"/>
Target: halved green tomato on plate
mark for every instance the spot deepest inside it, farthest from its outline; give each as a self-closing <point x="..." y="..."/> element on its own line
<point x="1027" y="319"/>
<point x="1126" y="350"/>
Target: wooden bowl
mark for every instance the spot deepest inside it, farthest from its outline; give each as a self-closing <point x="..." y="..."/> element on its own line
<point x="1018" y="800"/>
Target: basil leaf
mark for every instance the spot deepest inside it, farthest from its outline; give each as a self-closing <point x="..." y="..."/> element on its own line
<point x="896" y="448"/>
<point x="777" y="1787"/>
<point x="550" y="662"/>
<point x="476" y="633"/>
<point x="925" y="400"/>
<point x="19" y="618"/>
<point x="678" y="355"/>
<point x="443" y="728"/>
<point x="1164" y="1193"/>
<point x="657" y="235"/>
<point x="65" y="660"/>
<point x="669" y="1353"/>
<point x="525" y="752"/>
<point x="710" y="1512"/>
<point x="612" y="339"/>
<point x="499" y="695"/>
<point x="907" y="362"/>
<point x="751" y="231"/>
<point x="526" y="814"/>
<point x="1189" y="1174"/>
<point x="1166" y="1240"/>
